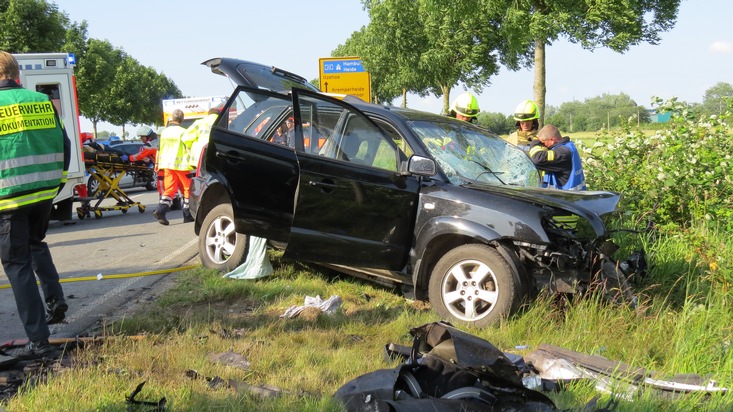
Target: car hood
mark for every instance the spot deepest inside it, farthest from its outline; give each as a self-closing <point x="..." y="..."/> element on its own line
<point x="256" y="75"/>
<point x="588" y="204"/>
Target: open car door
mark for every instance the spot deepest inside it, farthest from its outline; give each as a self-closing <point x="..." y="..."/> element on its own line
<point x="352" y="205"/>
<point x="263" y="176"/>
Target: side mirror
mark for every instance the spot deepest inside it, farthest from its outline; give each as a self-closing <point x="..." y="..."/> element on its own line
<point x="418" y="165"/>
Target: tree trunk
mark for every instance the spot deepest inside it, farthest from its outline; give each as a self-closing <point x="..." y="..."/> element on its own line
<point x="540" y="86"/>
<point x="446" y="98"/>
<point x="404" y="98"/>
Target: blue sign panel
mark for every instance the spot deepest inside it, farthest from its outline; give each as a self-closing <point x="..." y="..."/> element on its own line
<point x="343" y="66"/>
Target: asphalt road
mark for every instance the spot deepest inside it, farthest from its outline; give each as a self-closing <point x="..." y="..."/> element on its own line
<point x="116" y="244"/>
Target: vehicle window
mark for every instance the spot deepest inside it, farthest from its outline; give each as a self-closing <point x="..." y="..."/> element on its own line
<point x="466" y="153"/>
<point x="54" y="94"/>
<point x="345" y="135"/>
<point x="396" y="137"/>
<point x="255" y="115"/>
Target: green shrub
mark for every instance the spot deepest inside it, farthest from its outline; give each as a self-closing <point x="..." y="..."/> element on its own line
<point x="679" y="174"/>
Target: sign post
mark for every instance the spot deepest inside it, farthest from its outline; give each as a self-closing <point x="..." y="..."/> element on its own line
<point x="345" y="75"/>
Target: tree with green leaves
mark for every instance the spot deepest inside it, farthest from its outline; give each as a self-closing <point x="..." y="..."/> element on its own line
<point x="495" y="122"/>
<point x="718" y="98"/>
<point x="31" y="26"/>
<point x="597" y="113"/>
<point x="95" y="76"/>
<point x="462" y="45"/>
<point x="358" y="45"/>
<point x="114" y="87"/>
<point x="428" y="46"/>
<point x="617" y="24"/>
<point x="394" y="48"/>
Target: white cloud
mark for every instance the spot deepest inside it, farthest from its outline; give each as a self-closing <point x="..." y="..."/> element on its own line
<point x="721" y="47"/>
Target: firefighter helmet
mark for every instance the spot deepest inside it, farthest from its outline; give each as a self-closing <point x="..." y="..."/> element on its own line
<point x="526" y="110"/>
<point x="466" y="104"/>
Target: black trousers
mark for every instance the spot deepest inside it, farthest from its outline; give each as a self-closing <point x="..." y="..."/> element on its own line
<point x="24" y="256"/>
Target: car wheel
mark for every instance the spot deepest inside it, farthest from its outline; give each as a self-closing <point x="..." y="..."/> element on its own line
<point x="220" y="246"/>
<point x="92" y="186"/>
<point x="474" y="284"/>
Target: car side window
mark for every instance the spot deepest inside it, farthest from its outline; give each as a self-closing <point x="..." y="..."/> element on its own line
<point x="345" y="135"/>
<point x="254" y="114"/>
<point x="396" y="137"/>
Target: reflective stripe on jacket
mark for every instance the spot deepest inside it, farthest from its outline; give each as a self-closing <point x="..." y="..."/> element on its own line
<point x="32" y="148"/>
<point x="173" y="153"/>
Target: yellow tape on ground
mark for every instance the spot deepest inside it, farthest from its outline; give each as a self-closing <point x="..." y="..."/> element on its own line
<point x="120" y="276"/>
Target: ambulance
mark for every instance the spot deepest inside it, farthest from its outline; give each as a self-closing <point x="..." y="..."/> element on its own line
<point x="53" y="74"/>
<point x="193" y="108"/>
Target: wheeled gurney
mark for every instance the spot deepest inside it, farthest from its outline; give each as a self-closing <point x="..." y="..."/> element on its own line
<point x="108" y="169"/>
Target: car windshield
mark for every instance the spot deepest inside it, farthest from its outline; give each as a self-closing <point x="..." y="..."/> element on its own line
<point x="468" y="155"/>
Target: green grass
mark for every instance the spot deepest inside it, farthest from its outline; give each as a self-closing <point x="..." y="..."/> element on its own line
<point x="684" y="325"/>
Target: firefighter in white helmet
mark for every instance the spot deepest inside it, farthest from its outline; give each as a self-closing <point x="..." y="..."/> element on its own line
<point x="465" y="107"/>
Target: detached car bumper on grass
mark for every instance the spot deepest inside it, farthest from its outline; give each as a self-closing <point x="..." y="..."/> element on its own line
<point x="394" y="195"/>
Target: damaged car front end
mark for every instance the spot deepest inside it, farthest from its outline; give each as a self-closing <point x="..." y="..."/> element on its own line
<point x="580" y="252"/>
<point x="487" y="241"/>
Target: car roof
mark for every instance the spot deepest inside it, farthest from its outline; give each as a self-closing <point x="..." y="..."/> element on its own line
<point x="250" y="74"/>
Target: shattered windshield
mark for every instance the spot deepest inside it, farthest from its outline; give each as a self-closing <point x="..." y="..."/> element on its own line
<point x="467" y="154"/>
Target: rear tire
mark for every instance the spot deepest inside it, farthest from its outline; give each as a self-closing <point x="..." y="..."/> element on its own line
<point x="474" y="284"/>
<point x="220" y="246"/>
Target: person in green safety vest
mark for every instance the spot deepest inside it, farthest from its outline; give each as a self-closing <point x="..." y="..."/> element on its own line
<point x="34" y="161"/>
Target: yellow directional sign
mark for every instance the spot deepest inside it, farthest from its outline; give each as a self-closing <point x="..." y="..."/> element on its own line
<point x="345" y="75"/>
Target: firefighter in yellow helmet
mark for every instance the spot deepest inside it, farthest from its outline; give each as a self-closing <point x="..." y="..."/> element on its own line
<point x="526" y="114"/>
<point x="465" y="107"/>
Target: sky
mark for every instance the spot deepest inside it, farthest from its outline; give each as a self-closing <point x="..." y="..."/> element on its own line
<point x="174" y="38"/>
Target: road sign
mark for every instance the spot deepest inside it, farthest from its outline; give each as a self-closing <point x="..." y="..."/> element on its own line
<point x="345" y="75"/>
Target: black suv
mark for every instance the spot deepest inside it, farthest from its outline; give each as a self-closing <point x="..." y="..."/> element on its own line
<point x="397" y="196"/>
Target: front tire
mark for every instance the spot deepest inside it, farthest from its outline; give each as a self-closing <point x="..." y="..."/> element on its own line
<point x="474" y="284"/>
<point x="220" y="246"/>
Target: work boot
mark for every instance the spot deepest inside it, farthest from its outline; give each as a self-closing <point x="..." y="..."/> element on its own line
<point x="187" y="216"/>
<point x="38" y="350"/>
<point x="160" y="212"/>
<point x="56" y="311"/>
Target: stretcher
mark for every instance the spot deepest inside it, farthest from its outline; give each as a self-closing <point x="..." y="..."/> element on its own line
<point x="108" y="169"/>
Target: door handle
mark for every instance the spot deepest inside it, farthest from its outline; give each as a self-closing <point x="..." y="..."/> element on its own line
<point x="326" y="185"/>
<point x="229" y="155"/>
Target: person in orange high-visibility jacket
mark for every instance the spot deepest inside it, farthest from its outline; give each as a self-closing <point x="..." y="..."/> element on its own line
<point x="173" y="157"/>
<point x="149" y="152"/>
<point x="35" y="153"/>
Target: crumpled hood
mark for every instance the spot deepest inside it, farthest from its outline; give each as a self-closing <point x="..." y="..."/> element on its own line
<point x="589" y="204"/>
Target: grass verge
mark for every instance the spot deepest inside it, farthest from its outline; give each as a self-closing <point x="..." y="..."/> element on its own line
<point x="309" y="358"/>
